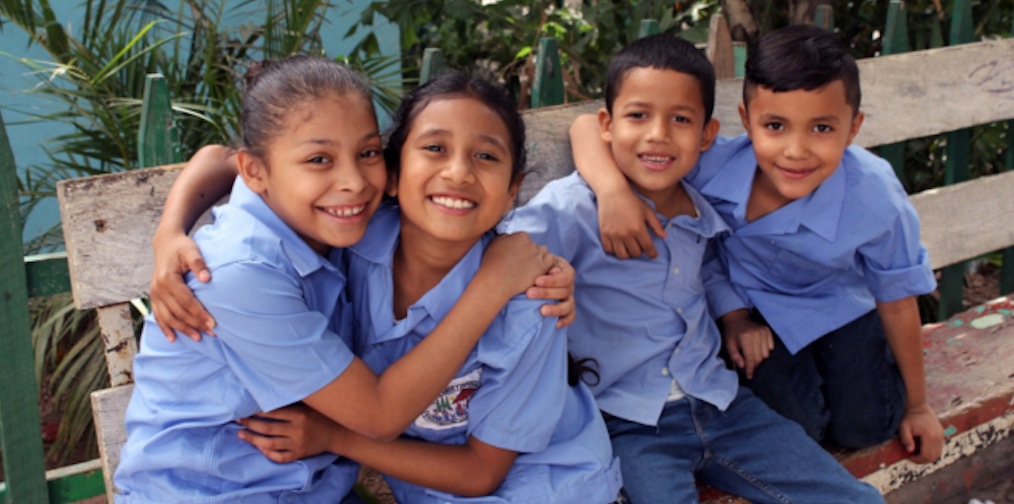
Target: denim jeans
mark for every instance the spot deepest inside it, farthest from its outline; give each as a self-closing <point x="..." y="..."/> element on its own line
<point x="747" y="450"/>
<point x="844" y="388"/>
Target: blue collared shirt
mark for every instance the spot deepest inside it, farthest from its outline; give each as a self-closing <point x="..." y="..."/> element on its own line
<point x="281" y="336"/>
<point x="823" y="260"/>
<point x="511" y="392"/>
<point x="645" y="321"/>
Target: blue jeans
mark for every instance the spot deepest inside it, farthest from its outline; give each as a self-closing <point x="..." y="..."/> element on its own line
<point x="844" y="388"/>
<point x="747" y="450"/>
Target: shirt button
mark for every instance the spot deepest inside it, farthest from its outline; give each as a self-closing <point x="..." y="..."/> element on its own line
<point x="291" y="499"/>
<point x="679" y="310"/>
<point x="665" y="371"/>
<point x="677" y="351"/>
<point x="676" y="271"/>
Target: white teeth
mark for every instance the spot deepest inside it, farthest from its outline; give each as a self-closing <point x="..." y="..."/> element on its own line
<point x="453" y="202"/>
<point x="656" y="160"/>
<point x="346" y="211"/>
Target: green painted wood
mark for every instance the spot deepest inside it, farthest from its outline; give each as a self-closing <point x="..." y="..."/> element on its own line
<point x="959" y="143"/>
<point x="433" y="62"/>
<point x="895" y="42"/>
<point x="158" y="140"/>
<point x="739" y="54"/>
<point x="72" y="483"/>
<point x="936" y="35"/>
<point x="20" y="426"/>
<point x="47" y="274"/>
<point x="547" y="90"/>
<point x="824" y="17"/>
<point x="648" y="28"/>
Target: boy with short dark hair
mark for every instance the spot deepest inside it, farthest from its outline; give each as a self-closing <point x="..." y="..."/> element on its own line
<point x="824" y="251"/>
<point x="673" y="410"/>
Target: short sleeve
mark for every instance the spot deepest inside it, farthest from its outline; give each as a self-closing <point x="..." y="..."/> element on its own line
<point x="722" y="298"/>
<point x="277" y="347"/>
<point x="562" y="216"/>
<point x="522" y="396"/>
<point x="895" y="264"/>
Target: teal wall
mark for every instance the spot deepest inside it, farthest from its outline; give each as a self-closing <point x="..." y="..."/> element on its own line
<point x="26" y="138"/>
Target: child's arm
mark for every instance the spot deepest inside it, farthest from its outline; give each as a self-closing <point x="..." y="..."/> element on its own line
<point x="622" y="215"/>
<point x="206" y="178"/>
<point x="471" y="470"/>
<point x="904" y="335"/>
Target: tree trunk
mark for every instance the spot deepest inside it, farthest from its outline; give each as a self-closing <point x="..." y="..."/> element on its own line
<point x="803" y="11"/>
<point x="741" y="22"/>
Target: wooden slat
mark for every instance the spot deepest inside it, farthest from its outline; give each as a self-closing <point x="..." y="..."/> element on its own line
<point x="108" y="224"/>
<point x="119" y="342"/>
<point x="157" y="139"/>
<point x="433" y="63"/>
<point x="547" y="86"/>
<point x="71" y="484"/>
<point x="719" y="49"/>
<point x="47" y="274"/>
<point x="968" y="219"/>
<point x="109" y="406"/>
<point x="20" y="441"/>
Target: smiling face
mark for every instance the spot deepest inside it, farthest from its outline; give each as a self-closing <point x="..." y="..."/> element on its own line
<point x="657" y="129"/>
<point x="799" y="137"/>
<point x="455" y="179"/>
<point x="324" y="175"/>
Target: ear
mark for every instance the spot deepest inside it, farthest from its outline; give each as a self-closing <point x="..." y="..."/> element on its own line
<point x="253" y="170"/>
<point x="605" y="122"/>
<point x="857" y="122"/>
<point x="744" y="116"/>
<point x="512" y="191"/>
<point x="710" y="132"/>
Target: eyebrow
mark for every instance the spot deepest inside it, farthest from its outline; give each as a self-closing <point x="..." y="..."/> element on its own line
<point x="439" y="132"/>
<point x="649" y="104"/>
<point x="776" y="117"/>
<point x="329" y="142"/>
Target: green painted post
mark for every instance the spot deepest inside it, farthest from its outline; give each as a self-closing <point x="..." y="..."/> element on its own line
<point x="158" y="140"/>
<point x="739" y="58"/>
<point x="20" y="426"/>
<point x="433" y="62"/>
<point x="959" y="142"/>
<point x="895" y="42"/>
<point x="936" y="35"/>
<point x="547" y="90"/>
<point x="648" y="28"/>
<point x="824" y="17"/>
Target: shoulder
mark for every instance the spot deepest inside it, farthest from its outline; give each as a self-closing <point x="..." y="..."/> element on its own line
<point x="870" y="183"/>
<point x="519" y="327"/>
<point x="238" y="236"/>
<point x="561" y="201"/>
<point x="723" y="151"/>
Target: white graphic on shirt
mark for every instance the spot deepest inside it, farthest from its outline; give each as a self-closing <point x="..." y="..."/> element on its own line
<point x="450" y="409"/>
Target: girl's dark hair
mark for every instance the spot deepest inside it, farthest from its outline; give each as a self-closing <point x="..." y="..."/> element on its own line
<point x="275" y="88"/>
<point x="801" y="57"/>
<point x="578" y="368"/>
<point x="455" y="85"/>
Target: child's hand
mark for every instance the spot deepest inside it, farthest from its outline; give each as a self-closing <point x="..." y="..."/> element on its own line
<point x="557" y="284"/>
<point x="921" y="422"/>
<point x="512" y="263"/>
<point x="747" y="342"/>
<point x="292" y="433"/>
<point x="623" y="224"/>
<point x="172" y="302"/>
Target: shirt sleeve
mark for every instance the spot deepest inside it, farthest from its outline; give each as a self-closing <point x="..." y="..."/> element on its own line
<point x="895" y="264"/>
<point x="522" y="396"/>
<point x="722" y="298"/>
<point x="557" y="217"/>
<point x="278" y="348"/>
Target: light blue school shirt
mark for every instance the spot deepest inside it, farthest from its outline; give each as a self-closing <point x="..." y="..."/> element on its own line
<point x="645" y="321"/>
<point x="511" y="392"/>
<point x="282" y="335"/>
<point x="823" y="260"/>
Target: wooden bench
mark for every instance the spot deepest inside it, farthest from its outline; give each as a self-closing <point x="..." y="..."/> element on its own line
<point x="109" y="222"/>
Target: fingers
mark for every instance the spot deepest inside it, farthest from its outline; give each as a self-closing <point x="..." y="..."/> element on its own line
<point x="644" y="243"/>
<point x="191" y="312"/>
<point x="906" y="437"/>
<point x="564" y="309"/>
<point x="170" y="334"/>
<point x="633" y="245"/>
<point x="169" y="312"/>
<point x="567" y="320"/>
<point x="656" y="225"/>
<point x="734" y="352"/>
<point x="195" y="263"/>
<point x="619" y="249"/>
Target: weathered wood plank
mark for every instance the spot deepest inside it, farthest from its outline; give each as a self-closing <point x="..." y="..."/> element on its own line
<point x="119" y="342"/>
<point x="954" y="230"/>
<point x="109" y="406"/>
<point x="20" y="442"/>
<point x="108" y="224"/>
<point x="719" y="49"/>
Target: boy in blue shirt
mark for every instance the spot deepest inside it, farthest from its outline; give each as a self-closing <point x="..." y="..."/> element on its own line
<point x="673" y="410"/>
<point x="825" y="249"/>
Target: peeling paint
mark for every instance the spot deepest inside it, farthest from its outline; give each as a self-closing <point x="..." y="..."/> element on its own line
<point x="954" y="342"/>
<point x="950" y="431"/>
<point x="987" y="321"/>
<point x="963" y="445"/>
<point x="956" y="323"/>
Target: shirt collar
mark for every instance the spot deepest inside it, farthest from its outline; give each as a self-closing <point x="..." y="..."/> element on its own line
<point x="708" y="222"/>
<point x="819" y="211"/>
<point x="303" y="258"/>
<point x="378" y="247"/>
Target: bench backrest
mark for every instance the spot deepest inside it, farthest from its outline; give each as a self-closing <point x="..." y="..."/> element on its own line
<point x="109" y="220"/>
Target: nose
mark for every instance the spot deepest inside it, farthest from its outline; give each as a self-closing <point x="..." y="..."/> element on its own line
<point x="659" y="132"/>
<point x="797" y="147"/>
<point x="458" y="170"/>
<point x="351" y="177"/>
